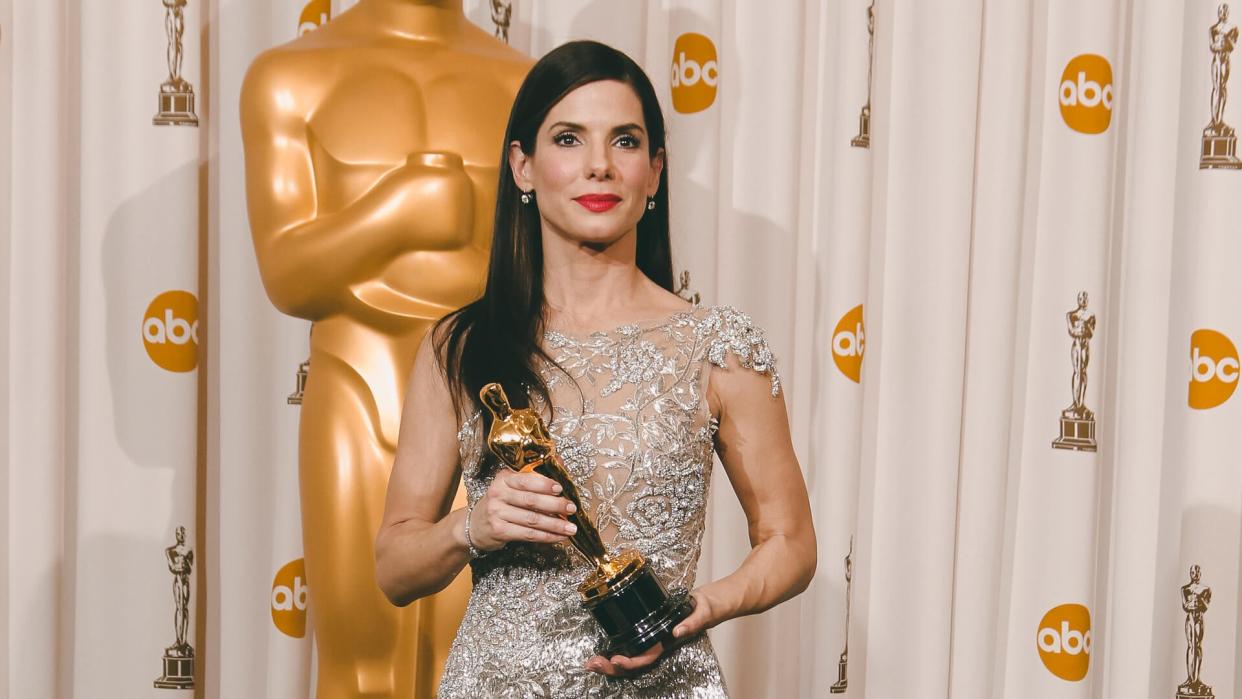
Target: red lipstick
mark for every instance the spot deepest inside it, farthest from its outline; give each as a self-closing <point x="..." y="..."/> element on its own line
<point x="598" y="203"/>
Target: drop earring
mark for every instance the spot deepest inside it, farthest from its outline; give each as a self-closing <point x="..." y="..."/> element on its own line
<point x="527" y="196"/>
<point x="651" y="203"/>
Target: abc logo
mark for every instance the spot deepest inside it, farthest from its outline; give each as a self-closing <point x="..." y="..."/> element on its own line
<point x="1064" y="641"/>
<point x="695" y="73"/>
<point x="1213" y="369"/>
<point x="289" y="599"/>
<point x="170" y="330"/>
<point x="847" y="344"/>
<point x="1086" y="94"/>
<point x="314" y="15"/>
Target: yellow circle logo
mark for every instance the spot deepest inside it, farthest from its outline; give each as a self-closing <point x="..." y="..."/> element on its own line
<point x="1213" y="369"/>
<point x="847" y="344"/>
<point x="289" y="599"/>
<point x="695" y="73"/>
<point x="170" y="331"/>
<point x="314" y="15"/>
<point x="1086" y="94"/>
<point x="1064" y="641"/>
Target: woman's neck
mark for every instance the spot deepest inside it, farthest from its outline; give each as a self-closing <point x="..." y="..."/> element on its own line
<point x="585" y="284"/>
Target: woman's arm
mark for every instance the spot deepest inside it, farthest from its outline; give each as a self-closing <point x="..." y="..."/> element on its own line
<point x="421" y="546"/>
<point x="757" y="452"/>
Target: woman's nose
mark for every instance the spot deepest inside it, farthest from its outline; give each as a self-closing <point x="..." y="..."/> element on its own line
<point x="599" y="165"/>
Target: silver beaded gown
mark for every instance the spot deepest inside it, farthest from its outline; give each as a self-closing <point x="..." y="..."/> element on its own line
<point x="632" y="426"/>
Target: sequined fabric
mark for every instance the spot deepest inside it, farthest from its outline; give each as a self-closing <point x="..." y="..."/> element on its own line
<point x="631" y="424"/>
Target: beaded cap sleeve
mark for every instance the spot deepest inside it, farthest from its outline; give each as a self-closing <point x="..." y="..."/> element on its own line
<point x="630" y="420"/>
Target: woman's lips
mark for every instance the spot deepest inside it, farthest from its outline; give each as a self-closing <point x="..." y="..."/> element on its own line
<point x="598" y="202"/>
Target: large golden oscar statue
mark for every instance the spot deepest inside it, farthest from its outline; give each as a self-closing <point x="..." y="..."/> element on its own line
<point x="372" y="147"/>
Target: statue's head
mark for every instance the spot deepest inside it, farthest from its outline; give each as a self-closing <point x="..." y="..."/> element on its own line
<point x="493" y="396"/>
<point x="1082" y="299"/>
<point x="1194" y="573"/>
<point x="1223" y="11"/>
<point x="180" y="535"/>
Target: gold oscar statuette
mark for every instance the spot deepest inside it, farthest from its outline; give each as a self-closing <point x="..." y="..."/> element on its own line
<point x="622" y="593"/>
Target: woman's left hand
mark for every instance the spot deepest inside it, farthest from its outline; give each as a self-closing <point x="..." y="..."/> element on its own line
<point x="700" y="619"/>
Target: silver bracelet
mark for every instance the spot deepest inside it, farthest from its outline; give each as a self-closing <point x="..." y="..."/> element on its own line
<point x="470" y="547"/>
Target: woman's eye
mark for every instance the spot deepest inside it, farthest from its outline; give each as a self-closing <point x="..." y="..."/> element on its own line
<point x="565" y="139"/>
<point x="627" y="142"/>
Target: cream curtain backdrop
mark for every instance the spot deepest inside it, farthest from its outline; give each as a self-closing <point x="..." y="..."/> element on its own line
<point x="916" y="290"/>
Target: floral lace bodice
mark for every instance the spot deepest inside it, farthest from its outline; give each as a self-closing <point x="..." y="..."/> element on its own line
<point x="631" y="424"/>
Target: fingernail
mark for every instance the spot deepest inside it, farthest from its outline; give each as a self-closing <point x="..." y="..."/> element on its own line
<point x="571" y="508"/>
<point x="556" y="487"/>
<point x="677" y="632"/>
<point x="570" y="529"/>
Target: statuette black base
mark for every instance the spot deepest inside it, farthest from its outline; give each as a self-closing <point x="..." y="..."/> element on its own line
<point x="638" y="614"/>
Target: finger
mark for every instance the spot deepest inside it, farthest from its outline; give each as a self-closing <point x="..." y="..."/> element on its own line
<point x="547" y="504"/>
<point x="603" y="666"/>
<point x="534" y="482"/>
<point x="696" y="622"/>
<point x="508" y="531"/>
<point x="638" y="662"/>
<point x="533" y="520"/>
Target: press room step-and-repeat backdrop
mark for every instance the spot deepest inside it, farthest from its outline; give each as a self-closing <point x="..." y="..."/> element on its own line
<point x="995" y="245"/>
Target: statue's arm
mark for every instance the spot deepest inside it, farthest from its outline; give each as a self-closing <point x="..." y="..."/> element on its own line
<point x="308" y="259"/>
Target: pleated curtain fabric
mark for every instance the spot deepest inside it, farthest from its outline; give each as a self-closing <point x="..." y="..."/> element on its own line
<point x="994" y="245"/>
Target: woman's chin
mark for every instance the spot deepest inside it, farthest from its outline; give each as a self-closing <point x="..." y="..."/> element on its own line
<point x="595" y="235"/>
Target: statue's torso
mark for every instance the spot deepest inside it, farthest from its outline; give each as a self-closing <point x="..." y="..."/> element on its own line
<point x="370" y="100"/>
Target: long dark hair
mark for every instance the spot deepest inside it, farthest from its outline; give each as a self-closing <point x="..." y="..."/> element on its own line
<point x="496" y="339"/>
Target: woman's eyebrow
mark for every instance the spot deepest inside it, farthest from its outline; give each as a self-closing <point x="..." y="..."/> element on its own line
<point x="623" y="128"/>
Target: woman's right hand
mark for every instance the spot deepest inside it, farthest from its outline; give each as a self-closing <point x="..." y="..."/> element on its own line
<point x="520" y="507"/>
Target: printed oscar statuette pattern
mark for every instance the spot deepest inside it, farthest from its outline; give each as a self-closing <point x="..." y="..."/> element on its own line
<point x="842" y="682"/>
<point x="1077" y="422"/>
<point x="863" y="139"/>
<point x="1220" y="143"/>
<point x="179" y="657"/>
<point x="176" y="97"/>
<point x="684" y="290"/>
<point x="502" y="17"/>
<point x="1195" y="599"/>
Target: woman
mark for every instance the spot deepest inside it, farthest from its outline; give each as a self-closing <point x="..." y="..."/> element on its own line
<point x="637" y="387"/>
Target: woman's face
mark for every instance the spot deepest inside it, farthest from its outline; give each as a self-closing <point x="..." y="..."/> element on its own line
<point x="590" y="170"/>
